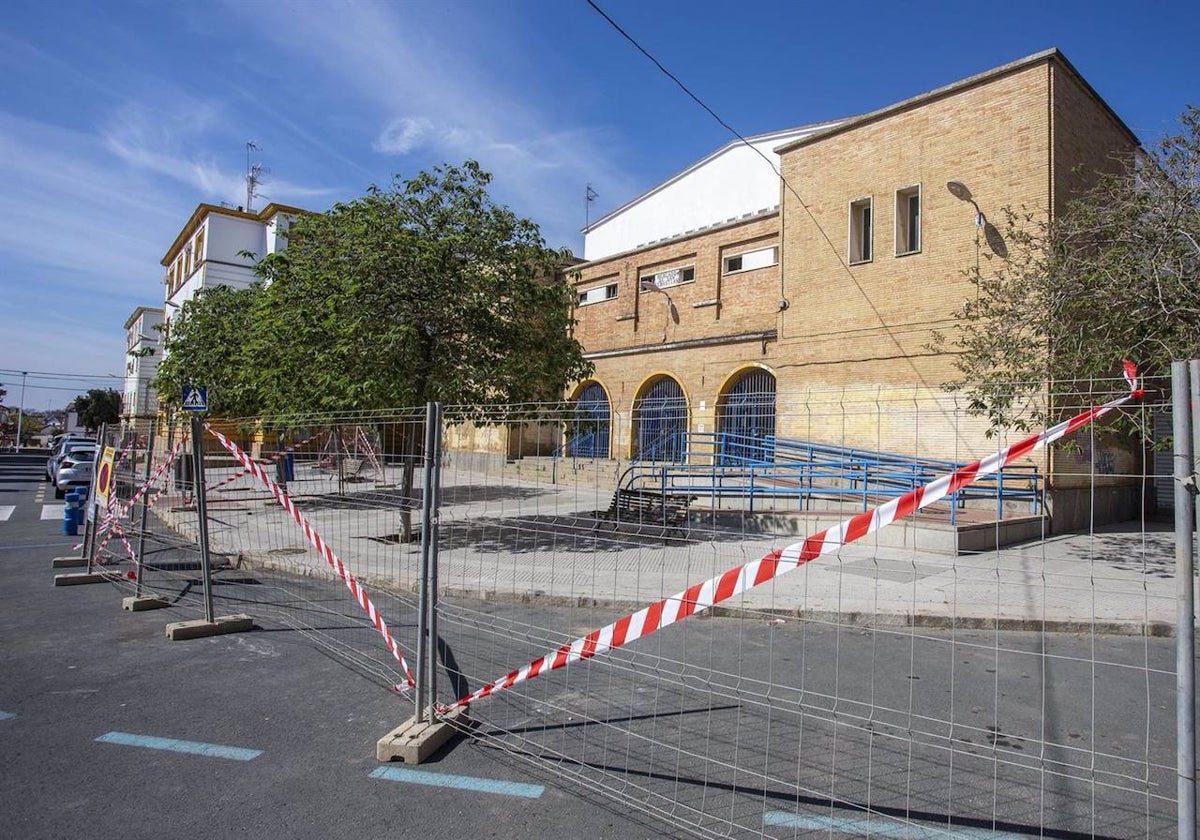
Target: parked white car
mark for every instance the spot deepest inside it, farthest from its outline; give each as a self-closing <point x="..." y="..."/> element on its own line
<point x="75" y="469"/>
<point x="65" y="446"/>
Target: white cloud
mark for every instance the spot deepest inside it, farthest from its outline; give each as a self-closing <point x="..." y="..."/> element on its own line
<point x="403" y="135"/>
<point x="65" y="206"/>
<point x="392" y="59"/>
<point x="167" y="143"/>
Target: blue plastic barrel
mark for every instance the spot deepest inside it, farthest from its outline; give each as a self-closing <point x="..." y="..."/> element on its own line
<point x="70" y="526"/>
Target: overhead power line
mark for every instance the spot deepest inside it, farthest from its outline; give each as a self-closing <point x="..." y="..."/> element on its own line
<point x="833" y="248"/>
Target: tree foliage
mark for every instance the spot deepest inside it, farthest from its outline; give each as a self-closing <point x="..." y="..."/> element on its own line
<point x="98" y="406"/>
<point x="423" y="290"/>
<point x="1113" y="277"/>
<point x="208" y="344"/>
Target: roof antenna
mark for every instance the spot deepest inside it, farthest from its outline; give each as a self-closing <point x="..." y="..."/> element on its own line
<point x="254" y="176"/>
<point x="589" y="195"/>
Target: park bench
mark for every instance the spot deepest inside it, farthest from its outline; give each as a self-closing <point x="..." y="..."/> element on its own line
<point x="649" y="507"/>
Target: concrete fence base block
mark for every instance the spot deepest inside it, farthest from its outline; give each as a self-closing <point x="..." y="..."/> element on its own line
<point x="68" y="562"/>
<point x="77" y="578"/>
<point x="413" y="742"/>
<point x="146" y="602"/>
<point x="199" y="629"/>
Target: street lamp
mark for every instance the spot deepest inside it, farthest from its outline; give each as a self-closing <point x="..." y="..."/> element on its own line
<point x="21" y="409"/>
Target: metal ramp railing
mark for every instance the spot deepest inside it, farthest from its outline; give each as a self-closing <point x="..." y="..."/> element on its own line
<point x="723" y="466"/>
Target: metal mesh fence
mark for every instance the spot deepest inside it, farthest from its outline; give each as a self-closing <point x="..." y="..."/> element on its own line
<point x="997" y="665"/>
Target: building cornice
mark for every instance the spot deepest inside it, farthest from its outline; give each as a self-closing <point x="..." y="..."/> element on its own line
<point x="203" y="211"/>
<point x="681" y="237"/>
<point x="137" y="313"/>
<point x="1050" y="56"/>
<point x="714" y="341"/>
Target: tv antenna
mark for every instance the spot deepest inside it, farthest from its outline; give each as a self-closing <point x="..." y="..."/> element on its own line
<point x="254" y="175"/>
<point x="589" y="195"/>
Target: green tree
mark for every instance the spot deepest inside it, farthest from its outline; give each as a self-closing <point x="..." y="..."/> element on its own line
<point x="208" y="344"/>
<point x="426" y="290"/>
<point x="30" y="425"/>
<point x="97" y="407"/>
<point x="1113" y="277"/>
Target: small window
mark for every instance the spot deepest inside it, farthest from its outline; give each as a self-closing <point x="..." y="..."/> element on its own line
<point x="860" y="231"/>
<point x="668" y="278"/>
<point x="598" y="294"/>
<point x="751" y="260"/>
<point x="908" y="220"/>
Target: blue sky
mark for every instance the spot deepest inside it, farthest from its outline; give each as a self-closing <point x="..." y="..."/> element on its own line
<point x="117" y="118"/>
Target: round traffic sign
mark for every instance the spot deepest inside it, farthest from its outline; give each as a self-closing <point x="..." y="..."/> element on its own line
<point x="104" y="478"/>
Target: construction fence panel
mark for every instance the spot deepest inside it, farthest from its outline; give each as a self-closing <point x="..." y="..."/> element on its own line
<point x="995" y="664"/>
<point x="985" y="665"/>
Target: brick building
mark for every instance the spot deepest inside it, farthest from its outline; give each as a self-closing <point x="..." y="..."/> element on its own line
<point x="760" y="320"/>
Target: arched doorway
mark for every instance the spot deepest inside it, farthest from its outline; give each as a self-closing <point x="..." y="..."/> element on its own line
<point x="746" y="418"/>
<point x="591" y="423"/>
<point x="660" y="421"/>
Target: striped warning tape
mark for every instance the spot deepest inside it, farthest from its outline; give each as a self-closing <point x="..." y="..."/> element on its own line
<point x="700" y="597"/>
<point x="111" y="517"/>
<point x="329" y="555"/>
<point x="285" y="451"/>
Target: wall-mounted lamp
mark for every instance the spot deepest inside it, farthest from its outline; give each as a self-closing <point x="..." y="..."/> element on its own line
<point x="648" y="285"/>
<point x="959" y="190"/>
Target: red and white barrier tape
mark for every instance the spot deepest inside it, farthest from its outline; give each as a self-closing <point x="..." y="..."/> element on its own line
<point x="372" y="456"/>
<point x="111" y="517"/>
<point x="700" y="597"/>
<point x="286" y="451"/>
<point x="329" y="555"/>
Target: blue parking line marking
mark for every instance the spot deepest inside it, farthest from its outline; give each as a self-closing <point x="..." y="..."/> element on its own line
<point x="6" y="715"/>
<point x="883" y="827"/>
<point x="129" y="739"/>
<point x="423" y="777"/>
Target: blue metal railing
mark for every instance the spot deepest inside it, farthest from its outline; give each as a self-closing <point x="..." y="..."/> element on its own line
<point x="725" y="466"/>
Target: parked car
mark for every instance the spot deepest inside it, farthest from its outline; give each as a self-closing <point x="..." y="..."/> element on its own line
<point x="76" y="468"/>
<point x="64" y="447"/>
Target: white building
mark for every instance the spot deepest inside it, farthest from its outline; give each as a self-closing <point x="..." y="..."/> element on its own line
<point x="736" y="181"/>
<point x="143" y="350"/>
<point x="219" y="246"/>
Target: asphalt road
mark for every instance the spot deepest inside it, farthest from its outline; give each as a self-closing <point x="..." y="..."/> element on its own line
<point x="731" y="727"/>
<point x="75" y="668"/>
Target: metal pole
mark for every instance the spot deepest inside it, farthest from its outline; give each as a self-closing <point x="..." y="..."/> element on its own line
<point x="1185" y="380"/>
<point x="1185" y="520"/>
<point x="20" y="410"/>
<point x="423" y="596"/>
<point x="89" y="535"/>
<point x="141" y="547"/>
<point x="201" y="513"/>
<point x="435" y="495"/>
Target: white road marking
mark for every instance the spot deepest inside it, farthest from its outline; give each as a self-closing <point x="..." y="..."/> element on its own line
<point x="53" y="511"/>
<point x="6" y="511"/>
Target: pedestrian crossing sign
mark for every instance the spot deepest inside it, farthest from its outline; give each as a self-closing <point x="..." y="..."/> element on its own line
<point x="195" y="398"/>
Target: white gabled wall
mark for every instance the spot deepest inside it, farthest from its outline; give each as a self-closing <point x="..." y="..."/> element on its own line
<point x="729" y="184"/>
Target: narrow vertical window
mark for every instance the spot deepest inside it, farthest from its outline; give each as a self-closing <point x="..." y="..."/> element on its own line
<point x="908" y="220"/>
<point x="860" y="231"/>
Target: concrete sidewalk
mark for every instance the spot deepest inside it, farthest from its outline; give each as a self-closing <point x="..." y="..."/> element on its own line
<point x="538" y="542"/>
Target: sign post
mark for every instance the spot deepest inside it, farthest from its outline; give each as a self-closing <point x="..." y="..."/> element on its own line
<point x="195" y="402"/>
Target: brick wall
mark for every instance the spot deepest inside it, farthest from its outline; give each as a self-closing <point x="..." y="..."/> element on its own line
<point x="1088" y="138"/>
<point x="850" y="352"/>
